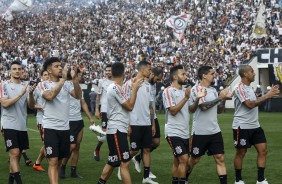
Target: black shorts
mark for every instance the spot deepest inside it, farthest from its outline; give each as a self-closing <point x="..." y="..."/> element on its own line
<point x="15" y="139"/>
<point x="141" y="137"/>
<point x="118" y="148"/>
<point x="245" y="138"/>
<point x="41" y="131"/>
<point x="157" y="127"/>
<point x="212" y="144"/>
<point x="57" y="143"/>
<point x="104" y="120"/>
<point x="75" y="128"/>
<point x="178" y="145"/>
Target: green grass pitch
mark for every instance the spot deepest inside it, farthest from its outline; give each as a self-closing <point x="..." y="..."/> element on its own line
<point x="204" y="172"/>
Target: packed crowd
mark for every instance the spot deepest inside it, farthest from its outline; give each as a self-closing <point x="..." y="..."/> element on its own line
<point x="93" y="34"/>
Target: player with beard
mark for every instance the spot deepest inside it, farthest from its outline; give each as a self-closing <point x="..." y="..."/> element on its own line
<point x="56" y="94"/>
<point x="206" y="133"/>
<point x="15" y="96"/>
<point x="155" y="77"/>
<point x="101" y="107"/>
<point x="246" y="128"/>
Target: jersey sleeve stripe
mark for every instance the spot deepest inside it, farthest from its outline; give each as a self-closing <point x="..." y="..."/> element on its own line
<point x="41" y="86"/>
<point x="241" y="92"/>
<point x="168" y="96"/>
<point x="0" y="90"/>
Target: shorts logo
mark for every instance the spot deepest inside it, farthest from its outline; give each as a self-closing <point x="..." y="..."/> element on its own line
<point x="49" y="150"/>
<point x="125" y="155"/>
<point x="9" y="143"/>
<point x="103" y="124"/>
<point x="196" y="151"/>
<point x="133" y="145"/>
<point x="113" y="158"/>
<point x="235" y="143"/>
<point x="71" y="138"/>
<point x="243" y="142"/>
<point x="178" y="149"/>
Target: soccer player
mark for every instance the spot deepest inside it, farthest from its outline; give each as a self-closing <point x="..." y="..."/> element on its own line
<point x="56" y="94"/>
<point x="15" y="95"/>
<point x="206" y="132"/>
<point x="142" y="125"/>
<point x="76" y="132"/>
<point x="118" y="122"/>
<point x="246" y="127"/>
<point x="39" y="116"/>
<point x="101" y="112"/>
<point x="175" y="100"/>
<point x="155" y="77"/>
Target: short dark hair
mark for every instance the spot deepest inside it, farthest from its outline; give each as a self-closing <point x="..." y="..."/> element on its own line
<point x="117" y="69"/>
<point x="243" y="69"/>
<point x="142" y="64"/>
<point x="108" y="65"/>
<point x="157" y="71"/>
<point x="49" y="62"/>
<point x="203" y="70"/>
<point x="42" y="71"/>
<point x="15" y="63"/>
<point x="174" y="70"/>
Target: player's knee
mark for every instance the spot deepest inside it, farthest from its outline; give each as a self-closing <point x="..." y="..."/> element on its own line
<point x="156" y="144"/>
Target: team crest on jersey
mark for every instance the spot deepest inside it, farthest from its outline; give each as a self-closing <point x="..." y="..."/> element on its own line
<point x="133" y="145"/>
<point x="178" y="150"/>
<point x="71" y="138"/>
<point x="49" y="150"/>
<point x="196" y="151"/>
<point x="243" y="142"/>
<point x="125" y="155"/>
<point x="9" y="143"/>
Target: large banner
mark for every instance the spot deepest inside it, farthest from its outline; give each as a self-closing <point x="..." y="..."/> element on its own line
<point x="259" y="30"/>
<point x="269" y="56"/>
<point x="17" y="6"/>
<point x="178" y="24"/>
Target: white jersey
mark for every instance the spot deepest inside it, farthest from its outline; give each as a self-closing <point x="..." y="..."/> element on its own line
<point x="178" y="125"/>
<point x="205" y="122"/>
<point x="56" y="112"/>
<point x="102" y="91"/>
<point x="15" y="116"/>
<point x="244" y="117"/>
<point x="75" y="108"/>
<point x="140" y="115"/>
<point x="39" y="101"/>
<point x="118" y="117"/>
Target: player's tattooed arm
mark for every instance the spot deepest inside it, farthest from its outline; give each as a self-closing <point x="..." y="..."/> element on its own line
<point x="207" y="105"/>
<point x="51" y="94"/>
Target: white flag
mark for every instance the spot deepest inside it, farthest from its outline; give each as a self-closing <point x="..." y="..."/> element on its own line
<point x="178" y="24"/>
<point x="259" y="30"/>
<point x="17" y="6"/>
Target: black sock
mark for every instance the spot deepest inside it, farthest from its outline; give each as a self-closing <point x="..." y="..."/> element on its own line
<point x="174" y="180"/>
<point x="181" y="180"/>
<point x="138" y="157"/>
<point x="238" y="174"/>
<point x="73" y="169"/>
<point x="63" y="167"/>
<point x="187" y="174"/>
<point x="11" y="178"/>
<point x="25" y="156"/>
<point x="17" y="177"/>
<point x="146" y="172"/>
<point x="223" y="179"/>
<point x="98" y="146"/>
<point x="37" y="164"/>
<point x="260" y="174"/>
<point x="101" y="181"/>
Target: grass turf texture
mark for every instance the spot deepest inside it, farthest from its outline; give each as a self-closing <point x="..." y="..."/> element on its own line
<point x="203" y="173"/>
